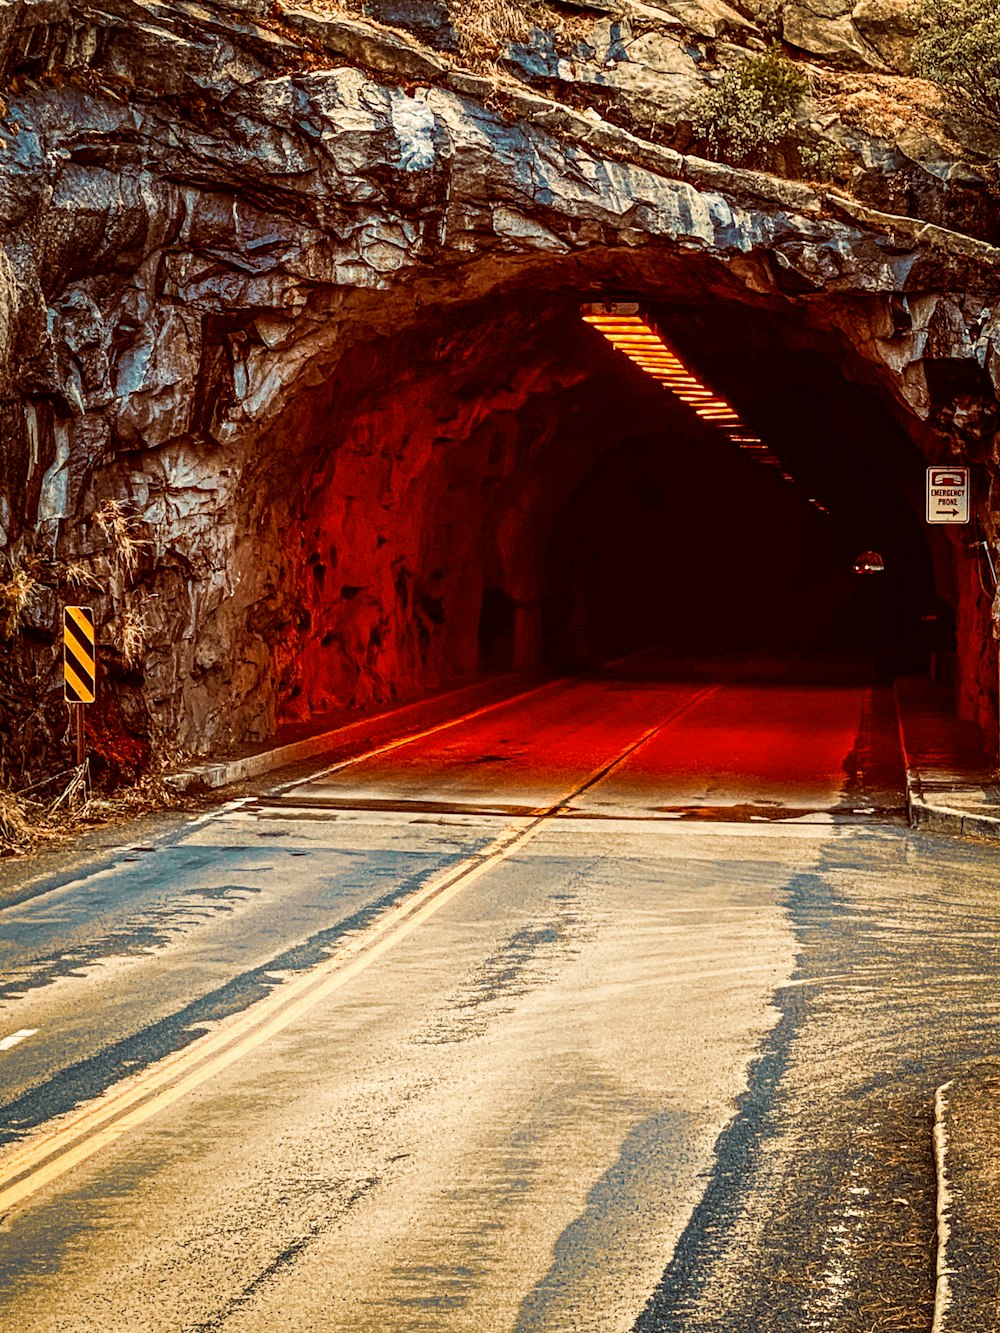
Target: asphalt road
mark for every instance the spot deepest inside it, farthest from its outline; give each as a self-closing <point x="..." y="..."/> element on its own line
<point x="618" y="1005"/>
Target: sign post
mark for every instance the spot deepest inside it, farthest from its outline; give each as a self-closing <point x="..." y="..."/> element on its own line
<point x="79" y="667"/>
<point x="947" y="494"/>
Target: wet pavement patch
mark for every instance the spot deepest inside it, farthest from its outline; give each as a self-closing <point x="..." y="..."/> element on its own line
<point x="91" y="1077"/>
<point x="520" y="964"/>
<point x="222" y="891"/>
<point x="819" y="1214"/>
<point x="147" y="933"/>
<point x="736" y="814"/>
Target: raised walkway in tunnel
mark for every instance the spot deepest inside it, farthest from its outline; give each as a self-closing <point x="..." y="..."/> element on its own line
<point x="951" y="785"/>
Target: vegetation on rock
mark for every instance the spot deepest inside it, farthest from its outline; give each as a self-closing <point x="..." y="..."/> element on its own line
<point x="959" y="50"/>
<point x="751" y="108"/>
<point x="122" y="530"/>
<point x="484" y="26"/>
<point x="17" y="588"/>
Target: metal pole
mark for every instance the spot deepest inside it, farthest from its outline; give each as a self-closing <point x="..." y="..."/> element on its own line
<point x="81" y="743"/>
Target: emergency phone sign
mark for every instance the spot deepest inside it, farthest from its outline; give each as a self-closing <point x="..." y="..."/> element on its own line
<point x="947" y="495"/>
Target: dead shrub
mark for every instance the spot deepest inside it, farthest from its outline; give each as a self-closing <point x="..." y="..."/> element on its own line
<point x="15" y="831"/>
<point x="121" y="529"/>
<point x="16" y="593"/>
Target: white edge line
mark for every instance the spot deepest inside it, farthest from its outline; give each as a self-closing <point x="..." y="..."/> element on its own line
<point x="16" y="1038"/>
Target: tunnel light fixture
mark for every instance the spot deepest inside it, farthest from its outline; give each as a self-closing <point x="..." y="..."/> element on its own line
<point x="632" y="333"/>
<point x="871" y="562"/>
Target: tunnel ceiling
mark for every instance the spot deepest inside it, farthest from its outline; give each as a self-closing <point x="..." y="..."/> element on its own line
<point x="297" y="298"/>
<point x="829" y="420"/>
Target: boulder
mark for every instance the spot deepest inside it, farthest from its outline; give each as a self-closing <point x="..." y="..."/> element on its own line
<point x="889" y="28"/>
<point x="825" y="28"/>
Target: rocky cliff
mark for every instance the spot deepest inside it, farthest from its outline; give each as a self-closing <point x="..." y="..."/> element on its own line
<point x="288" y="337"/>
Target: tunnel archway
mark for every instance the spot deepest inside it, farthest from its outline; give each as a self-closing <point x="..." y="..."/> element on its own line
<point x="496" y="488"/>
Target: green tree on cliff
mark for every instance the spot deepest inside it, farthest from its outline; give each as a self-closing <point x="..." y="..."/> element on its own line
<point x="751" y="108"/>
<point x="959" y="49"/>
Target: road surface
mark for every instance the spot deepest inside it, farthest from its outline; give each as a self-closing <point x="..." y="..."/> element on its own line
<point x="620" y="1004"/>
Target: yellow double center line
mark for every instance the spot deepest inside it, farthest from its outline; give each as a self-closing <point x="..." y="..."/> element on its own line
<point x="41" y="1160"/>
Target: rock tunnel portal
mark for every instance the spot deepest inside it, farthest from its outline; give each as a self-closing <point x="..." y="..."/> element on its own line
<point x="296" y="311"/>
<point x="497" y="488"/>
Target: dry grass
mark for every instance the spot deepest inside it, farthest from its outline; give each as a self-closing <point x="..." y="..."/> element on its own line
<point x="882" y="105"/>
<point x="70" y="806"/>
<point x="121" y="530"/>
<point x="16" y="593"/>
<point x="80" y="575"/>
<point x="131" y="633"/>
<point x="485" y="26"/>
<point x="15" y="830"/>
<point x="482" y="26"/>
<point x="353" y="7"/>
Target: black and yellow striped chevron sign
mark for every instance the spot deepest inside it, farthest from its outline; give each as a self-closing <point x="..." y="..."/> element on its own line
<point x="79" y="655"/>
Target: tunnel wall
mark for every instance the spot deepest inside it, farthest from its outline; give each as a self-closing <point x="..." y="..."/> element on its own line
<point x="201" y="229"/>
<point x="397" y="539"/>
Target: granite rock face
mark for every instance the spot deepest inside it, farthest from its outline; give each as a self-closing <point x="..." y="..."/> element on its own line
<point x="284" y="369"/>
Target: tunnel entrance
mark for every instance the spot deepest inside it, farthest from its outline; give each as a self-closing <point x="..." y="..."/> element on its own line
<point x="663" y="545"/>
<point x="501" y="489"/>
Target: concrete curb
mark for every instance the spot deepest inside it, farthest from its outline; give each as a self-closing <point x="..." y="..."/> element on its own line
<point x="941" y="819"/>
<point x="936" y="815"/>
<point x="967" y="1264"/>
<point x="942" y="1273"/>
<point x="371" y="729"/>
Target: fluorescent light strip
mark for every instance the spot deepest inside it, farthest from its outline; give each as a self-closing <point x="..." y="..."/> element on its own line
<point x="635" y="338"/>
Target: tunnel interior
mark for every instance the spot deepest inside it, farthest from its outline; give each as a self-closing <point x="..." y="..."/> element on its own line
<point x="677" y="537"/>
<point x="500" y="489"/>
